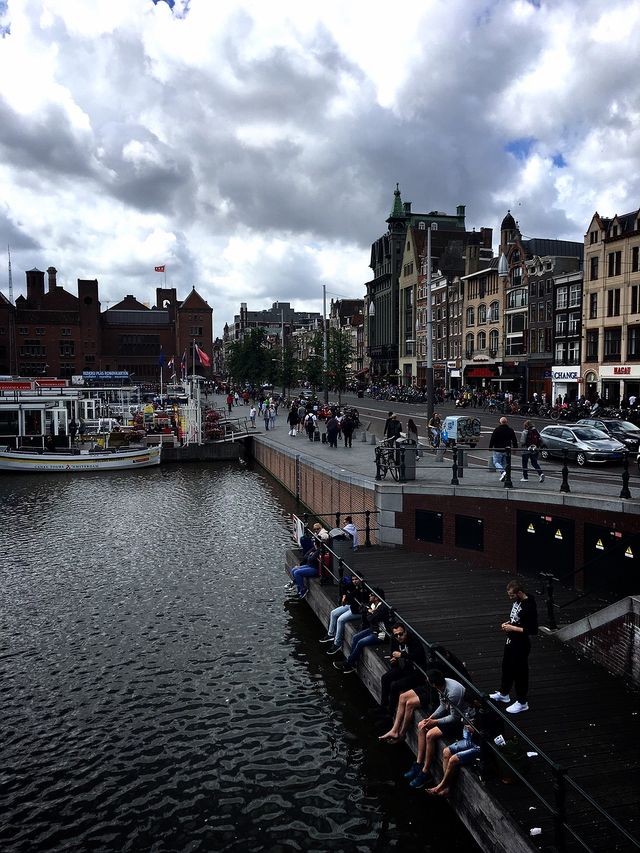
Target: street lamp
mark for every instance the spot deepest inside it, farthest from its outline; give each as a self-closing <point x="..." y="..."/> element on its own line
<point x="372" y="314"/>
<point x="433" y="226"/>
<point x="325" y="343"/>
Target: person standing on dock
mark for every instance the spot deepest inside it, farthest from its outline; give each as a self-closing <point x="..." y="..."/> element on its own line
<point x="266" y="414"/>
<point x="522" y="623"/>
<point x="252" y="416"/>
<point x="502" y="437"/>
<point x="293" y="420"/>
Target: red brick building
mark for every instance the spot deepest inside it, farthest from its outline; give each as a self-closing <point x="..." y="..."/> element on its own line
<point x="53" y="333"/>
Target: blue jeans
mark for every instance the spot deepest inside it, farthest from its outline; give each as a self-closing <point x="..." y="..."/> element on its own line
<point x="299" y="573"/>
<point x="360" y="641"/>
<point x="530" y="456"/>
<point x="499" y="459"/>
<point x="337" y="621"/>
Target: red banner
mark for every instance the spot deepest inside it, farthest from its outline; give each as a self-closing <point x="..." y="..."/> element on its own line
<point x="15" y="386"/>
<point x="51" y="383"/>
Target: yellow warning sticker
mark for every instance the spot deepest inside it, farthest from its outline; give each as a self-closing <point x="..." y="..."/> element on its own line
<point x="531" y="529"/>
<point x="629" y="552"/>
<point x="599" y="545"/>
<point x="558" y="534"/>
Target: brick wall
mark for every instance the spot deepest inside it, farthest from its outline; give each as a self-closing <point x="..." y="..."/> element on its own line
<point x="615" y="646"/>
<point x="319" y="491"/>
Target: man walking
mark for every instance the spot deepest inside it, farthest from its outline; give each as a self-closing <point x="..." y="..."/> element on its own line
<point x="502" y="437"/>
<point x="522" y="623"/>
<point x="530" y="442"/>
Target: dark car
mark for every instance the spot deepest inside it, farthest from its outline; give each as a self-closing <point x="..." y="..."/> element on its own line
<point x="623" y="431"/>
<point x="582" y="444"/>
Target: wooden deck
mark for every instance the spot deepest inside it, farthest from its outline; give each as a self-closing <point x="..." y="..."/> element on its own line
<point x="581" y="717"/>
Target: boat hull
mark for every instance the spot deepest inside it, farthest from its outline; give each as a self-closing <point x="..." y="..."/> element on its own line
<point x="119" y="460"/>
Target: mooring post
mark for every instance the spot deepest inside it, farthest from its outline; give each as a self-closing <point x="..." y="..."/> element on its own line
<point x="454" y="471"/>
<point x="378" y="477"/>
<point x="403" y="470"/>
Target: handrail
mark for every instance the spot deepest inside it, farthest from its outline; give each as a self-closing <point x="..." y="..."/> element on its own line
<point x="560" y="774"/>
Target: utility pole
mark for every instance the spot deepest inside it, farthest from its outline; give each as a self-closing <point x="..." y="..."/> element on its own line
<point x="325" y="341"/>
<point x="284" y="390"/>
<point x="433" y="226"/>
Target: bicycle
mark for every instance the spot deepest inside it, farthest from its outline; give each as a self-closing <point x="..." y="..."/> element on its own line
<point x="388" y="462"/>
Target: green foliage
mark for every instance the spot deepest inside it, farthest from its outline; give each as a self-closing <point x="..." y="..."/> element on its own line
<point x="340" y="356"/>
<point x="314" y="368"/>
<point x="249" y="361"/>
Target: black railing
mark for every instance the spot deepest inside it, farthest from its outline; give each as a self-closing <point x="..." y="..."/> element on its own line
<point x="555" y="802"/>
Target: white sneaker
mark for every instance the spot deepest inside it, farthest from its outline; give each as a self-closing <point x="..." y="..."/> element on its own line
<point x="517" y="708"/>
<point x="541" y="478"/>
<point x="503" y="475"/>
<point x="524" y="479"/>
<point x="499" y="697"/>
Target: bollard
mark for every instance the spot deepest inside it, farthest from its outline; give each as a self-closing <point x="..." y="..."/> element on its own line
<point x="367" y="528"/>
<point x="372" y="439"/>
<point x="508" y="484"/>
<point x="564" y="485"/>
<point x="378" y="475"/>
<point x="364" y="438"/>
<point x="454" y="471"/>
<point x="624" y="492"/>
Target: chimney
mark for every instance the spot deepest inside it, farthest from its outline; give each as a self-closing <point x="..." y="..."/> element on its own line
<point x="52" y="272"/>
<point x="35" y="287"/>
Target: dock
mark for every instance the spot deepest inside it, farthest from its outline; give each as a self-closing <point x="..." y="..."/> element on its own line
<point x="582" y="720"/>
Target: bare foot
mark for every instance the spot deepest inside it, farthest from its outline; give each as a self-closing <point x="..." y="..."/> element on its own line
<point x="390" y="735"/>
<point x="438" y="791"/>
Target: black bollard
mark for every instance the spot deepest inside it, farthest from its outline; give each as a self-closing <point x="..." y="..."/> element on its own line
<point x="564" y="485"/>
<point x="508" y="484"/>
<point x="403" y="470"/>
<point x="378" y="475"/>
<point x="624" y="492"/>
<point x="454" y="471"/>
<point x="367" y="528"/>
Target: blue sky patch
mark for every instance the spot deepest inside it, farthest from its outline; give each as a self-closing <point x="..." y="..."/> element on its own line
<point x="520" y="148"/>
<point x="558" y="161"/>
<point x="170" y="3"/>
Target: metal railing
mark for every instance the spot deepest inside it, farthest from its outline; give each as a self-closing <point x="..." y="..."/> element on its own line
<point x="556" y="804"/>
<point x="401" y="459"/>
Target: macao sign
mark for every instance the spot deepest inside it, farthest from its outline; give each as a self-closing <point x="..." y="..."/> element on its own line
<point x="622" y="371"/>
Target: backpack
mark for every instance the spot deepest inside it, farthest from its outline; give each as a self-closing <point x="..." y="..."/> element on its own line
<point x="533" y="437"/>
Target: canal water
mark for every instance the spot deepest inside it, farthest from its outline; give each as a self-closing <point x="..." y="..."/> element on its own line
<point x="159" y="693"/>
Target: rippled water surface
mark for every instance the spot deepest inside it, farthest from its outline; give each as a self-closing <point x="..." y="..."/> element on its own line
<point x="158" y="694"/>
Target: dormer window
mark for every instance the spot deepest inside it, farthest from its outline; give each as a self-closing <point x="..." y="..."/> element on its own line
<point x="593" y="237"/>
<point x="421" y="226"/>
<point x="614" y="231"/>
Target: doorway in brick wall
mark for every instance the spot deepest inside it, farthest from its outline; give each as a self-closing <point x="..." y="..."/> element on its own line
<point x="545" y="543"/>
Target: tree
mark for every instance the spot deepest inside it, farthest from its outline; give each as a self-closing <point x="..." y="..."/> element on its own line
<point x="288" y="367"/>
<point x="314" y="368"/>
<point x="249" y="360"/>
<point x="339" y="359"/>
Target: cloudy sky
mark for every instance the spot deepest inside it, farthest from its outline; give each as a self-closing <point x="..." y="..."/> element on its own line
<point x="253" y="147"/>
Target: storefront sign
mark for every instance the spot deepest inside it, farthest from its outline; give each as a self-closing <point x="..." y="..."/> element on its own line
<point x="51" y="383"/>
<point x="488" y="372"/>
<point x="565" y="374"/>
<point x="15" y="386"/>
<point x="620" y="371"/>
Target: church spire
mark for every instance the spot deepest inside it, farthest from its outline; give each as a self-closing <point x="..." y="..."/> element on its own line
<point x="398" y="207"/>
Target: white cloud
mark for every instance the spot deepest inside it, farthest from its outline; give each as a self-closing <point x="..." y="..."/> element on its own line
<point x="254" y="147"/>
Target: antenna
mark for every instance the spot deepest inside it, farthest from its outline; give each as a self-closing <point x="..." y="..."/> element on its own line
<point x="10" y="276"/>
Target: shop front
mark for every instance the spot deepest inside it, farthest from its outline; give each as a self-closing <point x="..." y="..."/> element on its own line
<point x="618" y="382"/>
<point x="565" y="383"/>
<point x="481" y="376"/>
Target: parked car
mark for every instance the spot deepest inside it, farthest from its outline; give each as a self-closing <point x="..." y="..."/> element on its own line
<point x="583" y="444"/>
<point x="623" y="431"/>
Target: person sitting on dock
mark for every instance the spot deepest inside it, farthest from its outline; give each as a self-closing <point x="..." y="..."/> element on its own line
<point x="406" y="658"/>
<point x="352" y="530"/>
<point x="314" y="560"/>
<point x="459" y="754"/>
<point x="349" y="610"/>
<point x="419" y="697"/>
<point x="445" y="721"/>
<point x="374" y="631"/>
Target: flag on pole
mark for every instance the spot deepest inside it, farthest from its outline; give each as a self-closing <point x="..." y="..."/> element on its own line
<point x="183" y="364"/>
<point x="203" y="358"/>
<point x="159" y="269"/>
<point x="161" y="359"/>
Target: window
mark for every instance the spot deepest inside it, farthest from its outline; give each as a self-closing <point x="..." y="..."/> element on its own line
<point x="549" y="312"/>
<point x="90" y="359"/>
<point x="493" y="341"/>
<point x="468" y="345"/>
<point x="67" y="348"/>
<point x="469" y="533"/>
<point x="561" y="349"/>
<point x="494" y="312"/>
<point x="470" y="316"/>
<point x="562" y="297"/>
<point x="575" y="294"/>
<point x="612" y="341"/>
<point x="593" y="266"/>
<point x="561" y="324"/>
<point x="593" y="306"/>
<point x="615" y="263"/>
<point x="23" y="330"/>
<point x="613" y="302"/>
<point x="593" y="237"/>
<point x="482" y="314"/>
<point x="482" y="340"/>
<point x="573" y="352"/>
<point x="633" y="343"/>
<point x="65" y="332"/>
<point x="592" y="345"/>
<point x="614" y="231"/>
<point x="33" y="349"/>
<point x="634" y="259"/>
<point x="574" y="322"/>
<point x="429" y="527"/>
<point x="517" y="298"/>
<point x="40" y="331"/>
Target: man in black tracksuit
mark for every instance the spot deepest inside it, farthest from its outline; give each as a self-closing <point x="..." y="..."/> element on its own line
<point x="406" y="650"/>
<point x="522" y="623"/>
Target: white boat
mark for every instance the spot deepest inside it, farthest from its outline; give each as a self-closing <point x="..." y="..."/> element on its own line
<point x="32" y="461"/>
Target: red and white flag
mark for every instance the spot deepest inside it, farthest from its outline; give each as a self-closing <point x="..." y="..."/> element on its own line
<point x="203" y="358"/>
<point x="159" y="269"/>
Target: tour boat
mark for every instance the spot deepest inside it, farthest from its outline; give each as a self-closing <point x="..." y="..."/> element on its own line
<point x="30" y="460"/>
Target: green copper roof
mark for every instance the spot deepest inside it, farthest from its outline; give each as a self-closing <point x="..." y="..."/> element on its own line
<point x="398" y="209"/>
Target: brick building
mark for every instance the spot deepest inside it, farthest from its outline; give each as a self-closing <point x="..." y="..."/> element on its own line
<point x="54" y="333"/>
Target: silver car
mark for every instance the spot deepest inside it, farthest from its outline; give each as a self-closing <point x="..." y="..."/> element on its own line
<point x="582" y="444"/>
